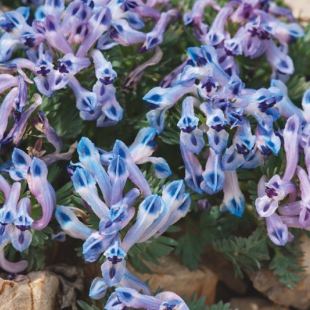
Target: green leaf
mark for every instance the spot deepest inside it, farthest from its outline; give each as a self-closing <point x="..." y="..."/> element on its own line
<point x="286" y="263"/>
<point x="191" y="248"/>
<point x="219" y="306"/>
<point x="244" y="252"/>
<point x="63" y="195"/>
<point x="86" y="306"/>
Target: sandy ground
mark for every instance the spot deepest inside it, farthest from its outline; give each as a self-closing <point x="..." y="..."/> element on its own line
<point x="301" y="8"/>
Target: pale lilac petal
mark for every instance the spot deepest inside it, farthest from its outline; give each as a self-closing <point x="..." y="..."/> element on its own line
<point x="286" y="107"/>
<point x="21" y="98"/>
<point x="149" y="210"/>
<point x="217" y="139"/>
<point x="193" y="170"/>
<point x="265" y="206"/>
<point x="43" y="192"/>
<point x="114" y="267"/>
<point x="277" y="230"/>
<point x="98" y="288"/>
<point x="95" y="245"/>
<point x="42" y="124"/>
<point x="161" y="167"/>
<point x="118" y="174"/>
<point x="130" y="280"/>
<point x="9" y="210"/>
<point x="124" y="34"/>
<point x="279" y="60"/>
<point x="135" y="173"/>
<point x="233" y="199"/>
<point x="54" y="36"/>
<point x="85" y="186"/>
<point x="161" y="98"/>
<point x="71" y="64"/>
<point x="176" y="214"/>
<point x="306" y="105"/>
<point x="90" y="158"/>
<point x="17" y="132"/>
<point x="21" y="240"/>
<point x="5" y="187"/>
<point x="143" y="145"/>
<point x="85" y="100"/>
<point x="291" y="142"/>
<point x="7" y="81"/>
<point x="131" y="298"/>
<point x="155" y="37"/>
<point x="216" y="33"/>
<point x="99" y="23"/>
<point x="9" y="266"/>
<point x="213" y="175"/>
<point x="232" y="160"/>
<point x="70" y="224"/>
<point x="5" y="110"/>
<point x="156" y="119"/>
<point x="197" y="12"/>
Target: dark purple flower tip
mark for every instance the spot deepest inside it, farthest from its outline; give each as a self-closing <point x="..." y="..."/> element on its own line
<point x="152" y="106"/>
<point x="142" y="49"/>
<point x="203" y="204"/>
<point x="23" y="227"/>
<point x="113" y="34"/>
<point x="189" y="129"/>
<point x="29" y="41"/>
<point x="218" y="127"/>
<point x="265" y="151"/>
<point x="242" y="149"/>
<point x="43" y="71"/>
<point x="201" y="61"/>
<point x="8" y="27"/>
<point x="114" y="260"/>
<point x="129" y="5"/>
<point x="107" y="80"/>
<point x="62" y="68"/>
<point x="271" y="192"/>
<point x="152" y="144"/>
<point x="209" y="85"/>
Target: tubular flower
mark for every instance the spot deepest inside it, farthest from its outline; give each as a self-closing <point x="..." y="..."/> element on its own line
<point x="258" y="30"/>
<point x="111" y="170"/>
<point x="61" y="30"/>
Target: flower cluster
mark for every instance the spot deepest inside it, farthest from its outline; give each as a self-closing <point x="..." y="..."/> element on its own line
<point x="15" y="215"/>
<point x="225" y="105"/>
<point x="222" y="126"/>
<point x="154" y="215"/>
<point x="281" y="193"/>
<point x="64" y="36"/>
<point x="260" y="32"/>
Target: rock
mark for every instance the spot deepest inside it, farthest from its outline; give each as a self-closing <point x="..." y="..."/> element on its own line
<point x="171" y="275"/>
<point x="267" y="283"/>
<point x="254" y="303"/>
<point x="37" y="292"/>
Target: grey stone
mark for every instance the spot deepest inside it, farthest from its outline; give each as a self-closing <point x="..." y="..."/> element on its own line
<point x="39" y="291"/>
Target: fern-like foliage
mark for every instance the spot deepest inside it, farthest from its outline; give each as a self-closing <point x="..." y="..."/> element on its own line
<point x="286" y="262"/>
<point x="244" y="252"/>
